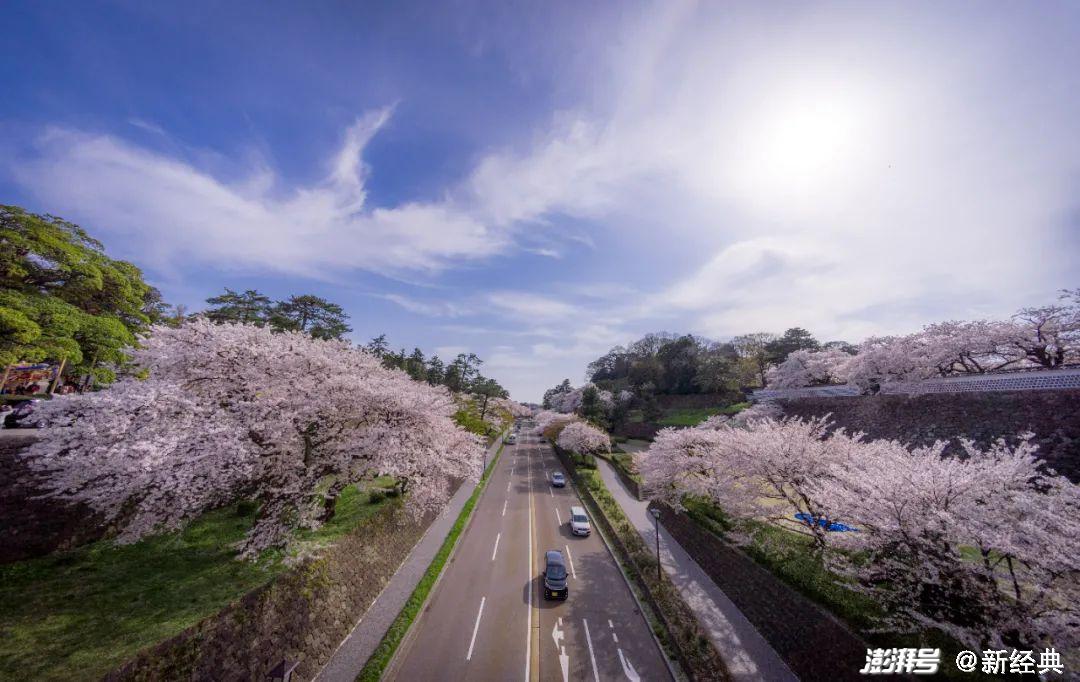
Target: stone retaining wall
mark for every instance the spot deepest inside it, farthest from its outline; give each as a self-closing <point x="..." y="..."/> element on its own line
<point x="1053" y="416"/>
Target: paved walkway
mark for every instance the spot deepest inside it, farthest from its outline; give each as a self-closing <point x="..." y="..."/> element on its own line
<point x="356" y="649"/>
<point x="747" y="654"/>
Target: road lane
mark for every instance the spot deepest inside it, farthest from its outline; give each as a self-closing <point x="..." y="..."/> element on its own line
<point x="486" y="620"/>
<point x="577" y="628"/>
<point x="442" y="640"/>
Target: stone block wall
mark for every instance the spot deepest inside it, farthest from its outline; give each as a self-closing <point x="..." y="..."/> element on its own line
<point x="1052" y="415"/>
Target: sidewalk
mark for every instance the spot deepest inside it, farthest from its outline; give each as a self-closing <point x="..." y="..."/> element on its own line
<point x="356" y="649"/>
<point x="747" y="654"/>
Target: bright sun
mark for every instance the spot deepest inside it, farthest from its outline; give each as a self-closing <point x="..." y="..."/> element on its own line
<point x="800" y="147"/>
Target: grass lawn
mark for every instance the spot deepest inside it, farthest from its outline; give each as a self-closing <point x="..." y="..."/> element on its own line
<point x="694" y="416"/>
<point x="79" y="614"/>
<point x="790" y="557"/>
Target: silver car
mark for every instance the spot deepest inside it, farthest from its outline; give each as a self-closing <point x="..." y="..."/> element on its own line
<point x="579" y="521"/>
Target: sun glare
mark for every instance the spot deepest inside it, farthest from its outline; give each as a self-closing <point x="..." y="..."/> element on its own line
<point x="801" y="148"/>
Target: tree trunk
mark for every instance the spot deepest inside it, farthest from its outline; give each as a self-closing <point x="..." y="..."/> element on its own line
<point x="330" y="503"/>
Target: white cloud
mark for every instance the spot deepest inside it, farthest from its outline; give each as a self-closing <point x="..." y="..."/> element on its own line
<point x="428" y="308"/>
<point x="528" y="306"/>
<point x="169" y="211"/>
<point x="448" y="353"/>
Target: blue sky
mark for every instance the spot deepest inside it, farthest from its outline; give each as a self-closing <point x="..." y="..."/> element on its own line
<point x="537" y="182"/>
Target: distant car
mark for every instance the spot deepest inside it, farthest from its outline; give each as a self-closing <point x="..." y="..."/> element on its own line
<point x="511" y="439"/>
<point x="579" y="521"/>
<point x="555" y="575"/>
<point x="22" y="416"/>
<point x="558" y="480"/>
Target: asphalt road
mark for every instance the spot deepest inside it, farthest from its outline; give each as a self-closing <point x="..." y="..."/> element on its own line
<point x="486" y="620"/>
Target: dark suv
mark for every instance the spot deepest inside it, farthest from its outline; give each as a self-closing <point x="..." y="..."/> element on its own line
<point x="555" y="575"/>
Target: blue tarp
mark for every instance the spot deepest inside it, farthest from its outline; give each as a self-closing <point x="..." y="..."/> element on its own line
<point x="827" y="525"/>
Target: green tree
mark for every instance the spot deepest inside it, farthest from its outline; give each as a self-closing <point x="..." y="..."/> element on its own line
<point x="378" y="346"/>
<point x="436" y="371"/>
<point x="250" y="307"/>
<point x="717" y="369"/>
<point x="486" y="389"/>
<point x="679" y="359"/>
<point x="753" y="350"/>
<point x="63" y="298"/>
<point x="310" y="314"/>
<point x="462" y="371"/>
<point x="650" y="408"/>
<point x="415" y="365"/>
<point x="793" y="339"/>
<point x="550" y="394"/>
<point x="592" y="409"/>
<point x="840" y="346"/>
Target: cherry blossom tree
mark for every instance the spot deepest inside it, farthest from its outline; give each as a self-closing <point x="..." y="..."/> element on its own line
<point x="584" y="439"/>
<point x="236" y="411"/>
<point x="1045" y="337"/>
<point x="916" y="509"/>
<point x="1049" y="336"/>
<point x="545" y="418"/>
<point x="759" y="410"/>
<point x="809" y="368"/>
<point x="766" y="470"/>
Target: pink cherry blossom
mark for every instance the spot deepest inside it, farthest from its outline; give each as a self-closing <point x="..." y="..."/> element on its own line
<point x="584" y="438"/>
<point x="232" y="412"/>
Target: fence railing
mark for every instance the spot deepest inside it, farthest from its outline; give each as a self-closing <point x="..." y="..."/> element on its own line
<point x="1031" y="380"/>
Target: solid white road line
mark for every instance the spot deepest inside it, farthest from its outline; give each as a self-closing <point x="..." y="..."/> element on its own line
<point x="558" y="516"/>
<point x="468" y="656"/>
<point x="496" y="546"/>
<point x="504" y="507"/>
<point x="592" y="656"/>
<point x="528" y="615"/>
<point x="571" y="558"/>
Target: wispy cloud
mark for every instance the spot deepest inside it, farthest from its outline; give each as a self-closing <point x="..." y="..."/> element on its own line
<point x="170" y="211"/>
<point x="428" y="308"/>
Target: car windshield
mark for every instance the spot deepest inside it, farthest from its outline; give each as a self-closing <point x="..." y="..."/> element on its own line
<point x="556" y="476"/>
<point x="556" y="572"/>
<point x="579" y="518"/>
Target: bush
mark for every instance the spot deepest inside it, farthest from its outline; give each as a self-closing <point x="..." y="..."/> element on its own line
<point x="376" y="496"/>
<point x="554" y="429"/>
<point x="583" y="461"/>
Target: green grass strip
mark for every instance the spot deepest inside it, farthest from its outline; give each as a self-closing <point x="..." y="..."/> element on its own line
<point x="376" y="665"/>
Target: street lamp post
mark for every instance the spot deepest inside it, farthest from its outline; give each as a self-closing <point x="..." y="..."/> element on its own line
<point x="656" y="521"/>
